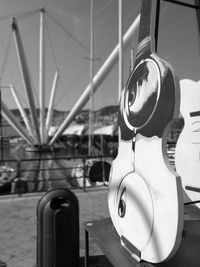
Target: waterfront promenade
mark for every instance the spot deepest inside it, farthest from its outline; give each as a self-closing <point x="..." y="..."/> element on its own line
<point x="18" y="224"/>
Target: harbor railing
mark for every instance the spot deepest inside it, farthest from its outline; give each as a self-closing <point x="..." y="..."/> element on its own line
<point x="42" y="174"/>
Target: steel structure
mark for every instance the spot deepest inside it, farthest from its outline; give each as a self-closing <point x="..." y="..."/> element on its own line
<point x="36" y="126"/>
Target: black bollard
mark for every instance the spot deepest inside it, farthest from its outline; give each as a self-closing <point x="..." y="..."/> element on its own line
<point x="2" y="264"/>
<point x="58" y="229"/>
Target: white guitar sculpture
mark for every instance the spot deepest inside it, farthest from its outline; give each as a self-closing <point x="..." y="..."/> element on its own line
<point x="187" y="157"/>
<point x="145" y="195"/>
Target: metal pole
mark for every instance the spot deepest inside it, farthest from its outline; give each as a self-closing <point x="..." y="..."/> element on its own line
<point x="42" y="77"/>
<point x="91" y="99"/>
<point x="26" y="77"/>
<point x="98" y="79"/>
<point x="120" y="36"/>
<point x="120" y="31"/>
<point x="198" y="20"/>
<point x="23" y="114"/>
<point x="132" y="60"/>
<point x="13" y="120"/>
<point x="1" y="129"/>
<point x="51" y="102"/>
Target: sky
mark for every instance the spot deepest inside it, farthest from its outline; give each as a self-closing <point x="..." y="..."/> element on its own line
<point x="67" y="41"/>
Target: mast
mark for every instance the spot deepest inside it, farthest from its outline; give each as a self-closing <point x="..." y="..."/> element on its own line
<point x="120" y="36"/>
<point x="51" y="102"/>
<point x="1" y="126"/>
<point x="98" y="79"/>
<point x="23" y="113"/>
<point x="26" y="77"/>
<point x="43" y="134"/>
<point x="13" y="120"/>
<point x="132" y="60"/>
<point x="120" y="31"/>
<point x="91" y="99"/>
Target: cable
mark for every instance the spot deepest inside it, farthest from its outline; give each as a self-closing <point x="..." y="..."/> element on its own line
<point x="71" y="86"/>
<point x="61" y="97"/>
<point x="3" y="67"/>
<point x="69" y="33"/>
<point x="103" y="7"/>
<point x="20" y="15"/>
<point x="51" y="43"/>
<point x="53" y="52"/>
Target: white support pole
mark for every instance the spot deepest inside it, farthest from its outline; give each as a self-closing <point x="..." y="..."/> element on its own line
<point x="51" y="102"/>
<point x="98" y="79"/>
<point x="120" y="66"/>
<point x="91" y="97"/>
<point x="132" y="60"/>
<point x="43" y="136"/>
<point x="120" y="49"/>
<point x="26" y="77"/>
<point x="12" y="120"/>
<point x="30" y="130"/>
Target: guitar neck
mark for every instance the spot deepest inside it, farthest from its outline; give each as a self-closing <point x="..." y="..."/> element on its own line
<point x="147" y="24"/>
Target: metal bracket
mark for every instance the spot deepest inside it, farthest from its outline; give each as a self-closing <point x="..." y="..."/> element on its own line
<point x="197" y="6"/>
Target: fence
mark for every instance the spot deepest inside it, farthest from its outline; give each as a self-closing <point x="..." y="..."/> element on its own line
<point x="42" y="174"/>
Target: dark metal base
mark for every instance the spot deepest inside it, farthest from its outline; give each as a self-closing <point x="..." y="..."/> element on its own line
<point x="104" y="234"/>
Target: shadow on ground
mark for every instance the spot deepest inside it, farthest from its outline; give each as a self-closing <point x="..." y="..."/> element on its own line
<point x="96" y="261"/>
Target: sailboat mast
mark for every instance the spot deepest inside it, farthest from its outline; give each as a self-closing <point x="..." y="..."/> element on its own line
<point x="91" y="100"/>
<point x="120" y="32"/>
<point x="42" y="77"/>
<point x="25" y="76"/>
<point x="1" y="126"/>
<point x="29" y="128"/>
<point x="98" y="78"/>
<point x="132" y="60"/>
<point x="51" y="102"/>
<point x="13" y="120"/>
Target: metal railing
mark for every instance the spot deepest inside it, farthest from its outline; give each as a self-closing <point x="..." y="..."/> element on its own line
<point x="43" y="174"/>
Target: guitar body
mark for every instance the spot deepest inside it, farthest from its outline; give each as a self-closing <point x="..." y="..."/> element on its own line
<point x="145" y="195"/>
<point x="187" y="157"/>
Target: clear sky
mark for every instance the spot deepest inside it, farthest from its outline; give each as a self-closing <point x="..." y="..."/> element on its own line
<point x="68" y="44"/>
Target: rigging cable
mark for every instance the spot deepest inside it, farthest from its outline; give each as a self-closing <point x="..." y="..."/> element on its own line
<point x="31" y="78"/>
<point x="102" y="8"/>
<point x="20" y="15"/>
<point x="53" y="52"/>
<point x="51" y="43"/>
<point x="71" y="86"/>
<point x="69" y="33"/>
<point x="7" y="49"/>
<point x="5" y="61"/>
<point x="56" y="63"/>
<point x="75" y="39"/>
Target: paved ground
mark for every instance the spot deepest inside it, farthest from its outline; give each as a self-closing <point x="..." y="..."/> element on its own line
<point x="18" y="225"/>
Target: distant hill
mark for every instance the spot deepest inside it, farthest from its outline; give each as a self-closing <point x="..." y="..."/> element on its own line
<point x="105" y="111"/>
<point x="103" y="116"/>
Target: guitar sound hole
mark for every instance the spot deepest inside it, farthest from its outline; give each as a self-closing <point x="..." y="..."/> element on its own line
<point x="122" y="208"/>
<point x="122" y="204"/>
<point x="141" y="94"/>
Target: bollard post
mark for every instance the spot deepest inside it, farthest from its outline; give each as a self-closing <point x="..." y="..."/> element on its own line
<point x="58" y="229"/>
<point x="2" y="264"/>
